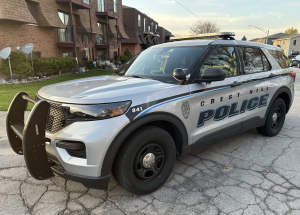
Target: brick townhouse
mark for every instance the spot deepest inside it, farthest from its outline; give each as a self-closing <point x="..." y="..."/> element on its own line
<point x="88" y="29"/>
<point x="143" y="31"/>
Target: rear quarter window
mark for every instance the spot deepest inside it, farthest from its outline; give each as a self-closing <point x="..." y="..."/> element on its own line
<point x="279" y="57"/>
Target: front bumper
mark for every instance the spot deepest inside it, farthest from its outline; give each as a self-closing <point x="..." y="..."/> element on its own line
<point x="30" y="140"/>
<point x="90" y="182"/>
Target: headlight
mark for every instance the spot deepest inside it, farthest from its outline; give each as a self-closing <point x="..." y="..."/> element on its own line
<point x="95" y="112"/>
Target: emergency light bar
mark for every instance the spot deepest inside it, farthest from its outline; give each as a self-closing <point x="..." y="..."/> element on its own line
<point x="222" y="35"/>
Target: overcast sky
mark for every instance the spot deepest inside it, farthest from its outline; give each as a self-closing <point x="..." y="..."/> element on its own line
<point x="230" y="15"/>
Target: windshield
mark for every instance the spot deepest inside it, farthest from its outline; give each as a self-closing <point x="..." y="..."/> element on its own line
<point x="159" y="63"/>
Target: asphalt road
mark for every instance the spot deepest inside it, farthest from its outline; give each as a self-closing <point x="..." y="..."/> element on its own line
<point x="244" y="174"/>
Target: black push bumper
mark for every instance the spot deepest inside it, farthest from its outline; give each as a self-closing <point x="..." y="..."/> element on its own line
<point x="29" y="139"/>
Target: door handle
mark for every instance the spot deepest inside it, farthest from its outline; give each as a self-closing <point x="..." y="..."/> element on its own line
<point x="236" y="84"/>
<point x="272" y="75"/>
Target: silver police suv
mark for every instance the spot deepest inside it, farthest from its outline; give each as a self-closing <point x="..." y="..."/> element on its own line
<point x="162" y="104"/>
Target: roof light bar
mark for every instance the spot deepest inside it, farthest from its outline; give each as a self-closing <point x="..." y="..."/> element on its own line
<point x="205" y="36"/>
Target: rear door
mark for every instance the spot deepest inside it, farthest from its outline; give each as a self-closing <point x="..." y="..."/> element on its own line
<point x="215" y="106"/>
<point x="259" y="85"/>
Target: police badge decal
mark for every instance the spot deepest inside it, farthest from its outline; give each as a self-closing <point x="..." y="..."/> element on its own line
<point x="185" y="108"/>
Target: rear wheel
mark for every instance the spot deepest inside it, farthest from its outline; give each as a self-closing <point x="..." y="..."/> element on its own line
<point x="275" y="119"/>
<point x="145" y="161"/>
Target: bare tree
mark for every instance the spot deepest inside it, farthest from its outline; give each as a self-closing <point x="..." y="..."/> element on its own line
<point x="203" y="27"/>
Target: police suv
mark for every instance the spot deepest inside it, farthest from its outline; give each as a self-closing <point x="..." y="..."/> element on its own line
<point x="162" y="104"/>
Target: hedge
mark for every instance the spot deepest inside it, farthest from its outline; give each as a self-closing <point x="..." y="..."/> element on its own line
<point x="51" y="65"/>
<point x="20" y="65"/>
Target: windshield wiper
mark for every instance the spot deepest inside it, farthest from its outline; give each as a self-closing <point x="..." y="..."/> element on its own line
<point x="137" y="76"/>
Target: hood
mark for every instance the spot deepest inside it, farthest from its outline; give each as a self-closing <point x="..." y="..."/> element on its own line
<point x="103" y="89"/>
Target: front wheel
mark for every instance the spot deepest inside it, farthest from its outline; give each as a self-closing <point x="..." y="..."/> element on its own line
<point x="275" y="119"/>
<point x="145" y="161"/>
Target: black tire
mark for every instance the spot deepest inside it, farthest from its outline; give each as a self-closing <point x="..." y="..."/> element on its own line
<point x="130" y="171"/>
<point x="272" y="127"/>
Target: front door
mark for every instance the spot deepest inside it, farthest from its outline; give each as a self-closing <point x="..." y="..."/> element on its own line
<point x="216" y="106"/>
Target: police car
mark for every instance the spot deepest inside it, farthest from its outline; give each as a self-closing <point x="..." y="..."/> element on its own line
<point x="162" y="104"/>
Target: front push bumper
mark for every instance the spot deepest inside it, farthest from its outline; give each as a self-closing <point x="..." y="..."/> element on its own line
<point x="29" y="140"/>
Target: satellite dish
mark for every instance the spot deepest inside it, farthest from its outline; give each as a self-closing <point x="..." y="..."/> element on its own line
<point x="4" y="53"/>
<point x="27" y="49"/>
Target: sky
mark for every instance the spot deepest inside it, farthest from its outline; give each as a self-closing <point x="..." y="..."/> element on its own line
<point x="230" y="15"/>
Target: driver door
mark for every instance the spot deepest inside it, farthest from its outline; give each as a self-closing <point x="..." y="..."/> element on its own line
<point x="216" y="106"/>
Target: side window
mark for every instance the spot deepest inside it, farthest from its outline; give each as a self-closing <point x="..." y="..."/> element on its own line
<point x="224" y="58"/>
<point x="254" y="60"/>
<point x="279" y="57"/>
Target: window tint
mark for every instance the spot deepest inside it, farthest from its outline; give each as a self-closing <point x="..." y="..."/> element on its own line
<point x="224" y="58"/>
<point x="279" y="57"/>
<point x="254" y="60"/>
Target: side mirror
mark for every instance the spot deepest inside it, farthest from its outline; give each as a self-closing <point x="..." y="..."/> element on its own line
<point x="211" y="75"/>
<point x="179" y="74"/>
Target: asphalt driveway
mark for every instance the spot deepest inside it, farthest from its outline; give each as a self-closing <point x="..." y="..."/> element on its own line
<point x="244" y="174"/>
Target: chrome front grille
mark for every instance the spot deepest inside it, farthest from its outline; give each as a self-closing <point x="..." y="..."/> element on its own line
<point x="56" y="118"/>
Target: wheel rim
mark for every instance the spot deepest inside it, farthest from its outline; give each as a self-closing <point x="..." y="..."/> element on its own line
<point x="276" y="118"/>
<point x="149" y="162"/>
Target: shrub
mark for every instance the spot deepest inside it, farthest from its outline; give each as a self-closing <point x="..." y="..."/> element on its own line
<point x="127" y="53"/>
<point x="124" y="59"/>
<point x="52" y="65"/>
<point x="90" y="65"/>
<point x="46" y="66"/>
<point x="116" y="57"/>
<point x="20" y="65"/>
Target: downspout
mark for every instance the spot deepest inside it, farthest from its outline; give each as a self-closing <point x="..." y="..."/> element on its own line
<point x="289" y="47"/>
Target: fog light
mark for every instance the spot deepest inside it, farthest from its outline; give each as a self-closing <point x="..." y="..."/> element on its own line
<point x="74" y="148"/>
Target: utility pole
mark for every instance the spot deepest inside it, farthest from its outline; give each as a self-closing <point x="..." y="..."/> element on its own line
<point x="263" y="30"/>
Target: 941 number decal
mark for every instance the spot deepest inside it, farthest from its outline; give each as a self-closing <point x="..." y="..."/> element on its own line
<point x="138" y="109"/>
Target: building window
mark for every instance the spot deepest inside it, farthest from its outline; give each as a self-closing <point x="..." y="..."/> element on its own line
<point x="31" y="8"/>
<point x="145" y="24"/>
<point x="116" y="6"/>
<point x="283" y="42"/>
<point x="34" y="55"/>
<point x="101" y="55"/>
<point x="101" y="6"/>
<point x="149" y="28"/>
<point x="295" y="42"/>
<point x="152" y="24"/>
<point x="66" y="34"/>
<point x="100" y="37"/>
<point x="65" y="18"/>
<point x="139" y="19"/>
<point x="67" y="54"/>
<point x="115" y="55"/>
<point x="156" y="30"/>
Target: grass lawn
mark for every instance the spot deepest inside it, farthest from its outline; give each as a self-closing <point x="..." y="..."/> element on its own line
<point x="8" y="91"/>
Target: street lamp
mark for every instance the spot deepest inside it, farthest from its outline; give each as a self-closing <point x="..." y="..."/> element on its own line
<point x="263" y="30"/>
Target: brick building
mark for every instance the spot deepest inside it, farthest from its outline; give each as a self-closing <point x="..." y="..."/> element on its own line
<point x="143" y="31"/>
<point x="88" y="29"/>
